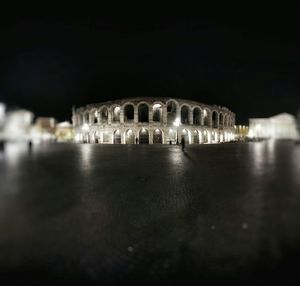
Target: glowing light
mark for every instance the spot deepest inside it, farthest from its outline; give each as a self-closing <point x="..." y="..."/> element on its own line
<point x="204" y="112"/>
<point x="176" y="122"/>
<point x="85" y="127"/>
<point x="183" y="131"/>
<point x="155" y="106"/>
<point x="143" y="130"/>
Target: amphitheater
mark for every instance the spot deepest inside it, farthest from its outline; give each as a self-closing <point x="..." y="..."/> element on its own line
<point x="152" y="121"/>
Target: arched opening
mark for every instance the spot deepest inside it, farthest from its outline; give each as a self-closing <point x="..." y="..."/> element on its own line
<point x="172" y="136"/>
<point x="87" y="118"/>
<point x="105" y="138"/>
<point x="200" y="137"/>
<point x="104" y="115"/>
<point x="221" y="137"/>
<point x="197" y="116"/>
<point x="129" y="137"/>
<point x="97" y="137"/>
<point x="196" y="137"/>
<point x="206" y="115"/>
<point x="116" y="114"/>
<point x="95" y="117"/>
<point x="157" y="112"/>
<point x="221" y="118"/>
<point x="143" y="136"/>
<point x="205" y="136"/>
<point x="117" y="137"/>
<point x="143" y="113"/>
<point x="184" y="113"/>
<point x="128" y="113"/>
<point x="226" y="137"/>
<point x="171" y="112"/>
<point x="157" y="136"/>
<point x="185" y="134"/>
<point x="214" y="137"/>
<point x="215" y="119"/>
<point x="225" y="120"/>
<point x="86" y="138"/>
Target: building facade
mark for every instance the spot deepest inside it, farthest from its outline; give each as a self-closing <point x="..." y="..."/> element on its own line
<point x="281" y="126"/>
<point x="152" y="120"/>
<point x="241" y="132"/>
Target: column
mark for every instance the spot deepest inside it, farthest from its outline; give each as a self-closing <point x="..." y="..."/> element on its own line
<point x="190" y="116"/>
<point x="164" y="114"/>
<point x="109" y="117"/>
<point x="122" y="115"/>
<point x="136" y="115"/>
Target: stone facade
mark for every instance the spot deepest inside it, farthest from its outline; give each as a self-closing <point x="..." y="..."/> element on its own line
<point x="281" y="126"/>
<point x="152" y="120"/>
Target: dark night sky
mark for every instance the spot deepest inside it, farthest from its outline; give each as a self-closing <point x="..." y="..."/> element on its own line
<point x="249" y="64"/>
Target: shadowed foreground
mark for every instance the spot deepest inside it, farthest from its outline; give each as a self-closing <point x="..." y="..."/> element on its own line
<point x="92" y="213"/>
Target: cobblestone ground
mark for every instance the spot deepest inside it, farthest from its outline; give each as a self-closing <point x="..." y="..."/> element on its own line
<point x="227" y="213"/>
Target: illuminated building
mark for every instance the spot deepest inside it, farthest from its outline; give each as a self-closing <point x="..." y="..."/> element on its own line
<point x="17" y="125"/>
<point x="2" y="114"/>
<point x="64" y="132"/>
<point x="241" y="132"/>
<point x="44" y="129"/>
<point x="281" y="126"/>
<point x="152" y="120"/>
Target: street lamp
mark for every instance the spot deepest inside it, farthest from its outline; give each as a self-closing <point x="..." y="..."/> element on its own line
<point x="176" y="123"/>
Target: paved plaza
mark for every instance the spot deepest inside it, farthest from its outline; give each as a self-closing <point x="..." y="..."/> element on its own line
<point x="225" y="213"/>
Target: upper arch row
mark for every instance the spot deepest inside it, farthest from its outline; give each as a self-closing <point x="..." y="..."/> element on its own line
<point x="166" y="112"/>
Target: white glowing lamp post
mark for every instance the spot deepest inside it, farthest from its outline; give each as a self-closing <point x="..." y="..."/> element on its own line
<point x="176" y="123"/>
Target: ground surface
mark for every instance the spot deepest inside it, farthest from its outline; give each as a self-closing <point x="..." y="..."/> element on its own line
<point x="92" y="213"/>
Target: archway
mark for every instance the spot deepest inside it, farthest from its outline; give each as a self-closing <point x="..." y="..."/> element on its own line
<point x="196" y="137"/>
<point x="143" y="136"/>
<point x="143" y="111"/>
<point x="116" y="114"/>
<point x="221" y="137"/>
<point x="117" y="137"/>
<point x="171" y="112"/>
<point x="157" y="112"/>
<point x="157" y="136"/>
<point x="105" y="137"/>
<point x="128" y="113"/>
<point x="186" y="135"/>
<point x="215" y="119"/>
<point x="206" y="117"/>
<point x="104" y="115"/>
<point x="197" y="116"/>
<point x="214" y="137"/>
<point x="221" y="118"/>
<point x="184" y="114"/>
<point x="205" y="136"/>
<point x="129" y="137"/>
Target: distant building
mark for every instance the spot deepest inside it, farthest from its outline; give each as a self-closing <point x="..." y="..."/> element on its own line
<point x="2" y="114"/>
<point x="64" y="132"/>
<point x="241" y="132"/>
<point x="44" y="129"/>
<point x="17" y="125"/>
<point x="281" y="126"/>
